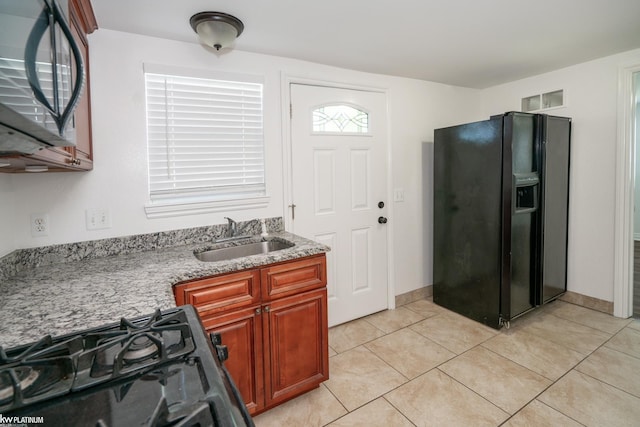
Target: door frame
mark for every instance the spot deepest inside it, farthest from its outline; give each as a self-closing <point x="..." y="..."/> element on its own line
<point x="286" y="80"/>
<point x="625" y="177"/>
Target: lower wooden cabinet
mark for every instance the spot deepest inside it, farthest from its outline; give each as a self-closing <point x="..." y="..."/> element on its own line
<point x="278" y="345"/>
<point x="295" y="350"/>
<point x="241" y="332"/>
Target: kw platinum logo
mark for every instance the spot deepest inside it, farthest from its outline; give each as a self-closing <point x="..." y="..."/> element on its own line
<point x="20" y="421"/>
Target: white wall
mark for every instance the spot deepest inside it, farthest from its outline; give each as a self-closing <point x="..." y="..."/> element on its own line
<point x="636" y="201"/>
<point x="591" y="101"/>
<point x="7" y="203"/>
<point x="119" y="182"/>
<point x="416" y="109"/>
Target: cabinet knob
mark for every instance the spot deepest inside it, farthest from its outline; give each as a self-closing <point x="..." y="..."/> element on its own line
<point x="258" y="311"/>
<point x="266" y="309"/>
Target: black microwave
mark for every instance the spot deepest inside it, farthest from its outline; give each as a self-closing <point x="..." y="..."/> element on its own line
<point x="41" y="76"/>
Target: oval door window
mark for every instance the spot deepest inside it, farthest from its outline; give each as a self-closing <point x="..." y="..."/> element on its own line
<point x="340" y="118"/>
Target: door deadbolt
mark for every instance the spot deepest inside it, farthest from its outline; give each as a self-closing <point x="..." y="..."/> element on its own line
<point x="381" y="205"/>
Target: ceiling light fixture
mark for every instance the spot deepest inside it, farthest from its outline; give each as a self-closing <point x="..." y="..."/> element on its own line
<point x="216" y="29"/>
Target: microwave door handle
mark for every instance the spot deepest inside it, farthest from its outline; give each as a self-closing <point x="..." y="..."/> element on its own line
<point x="67" y="113"/>
<point x="30" y="58"/>
<point x="42" y="24"/>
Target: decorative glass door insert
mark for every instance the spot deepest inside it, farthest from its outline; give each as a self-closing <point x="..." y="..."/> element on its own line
<point x="341" y="119"/>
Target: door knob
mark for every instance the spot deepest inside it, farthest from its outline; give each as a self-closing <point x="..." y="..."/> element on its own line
<point x="382" y="220"/>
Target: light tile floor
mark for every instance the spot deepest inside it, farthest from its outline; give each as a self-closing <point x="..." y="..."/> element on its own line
<point x="422" y="365"/>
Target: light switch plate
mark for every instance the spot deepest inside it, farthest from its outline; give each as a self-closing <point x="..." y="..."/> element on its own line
<point x="98" y="219"/>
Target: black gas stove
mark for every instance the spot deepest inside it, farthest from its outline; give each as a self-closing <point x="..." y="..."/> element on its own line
<point x="156" y="370"/>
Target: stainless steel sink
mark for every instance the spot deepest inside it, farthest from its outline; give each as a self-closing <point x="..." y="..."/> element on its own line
<point x="242" y="250"/>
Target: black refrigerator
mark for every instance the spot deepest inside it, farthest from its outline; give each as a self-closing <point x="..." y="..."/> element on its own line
<point x="500" y="221"/>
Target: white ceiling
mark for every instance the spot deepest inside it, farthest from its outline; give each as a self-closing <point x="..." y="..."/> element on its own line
<point x="472" y="43"/>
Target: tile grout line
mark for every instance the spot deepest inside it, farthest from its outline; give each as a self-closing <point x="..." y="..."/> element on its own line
<point x="424" y="373"/>
<point x="528" y="402"/>
<point x="574" y="368"/>
<point x="603" y="345"/>
<point x="408" y="380"/>
<point x="398" y="409"/>
<point x="381" y="359"/>
<point x="341" y="404"/>
<point x="553" y="382"/>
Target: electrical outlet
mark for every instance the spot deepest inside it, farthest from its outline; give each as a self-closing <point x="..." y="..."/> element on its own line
<point x="98" y="219"/>
<point x="39" y="225"/>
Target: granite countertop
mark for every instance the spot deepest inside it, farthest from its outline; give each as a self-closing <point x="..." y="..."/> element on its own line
<point x="65" y="297"/>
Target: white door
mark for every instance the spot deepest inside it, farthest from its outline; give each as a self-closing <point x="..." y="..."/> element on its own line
<point x="339" y="180"/>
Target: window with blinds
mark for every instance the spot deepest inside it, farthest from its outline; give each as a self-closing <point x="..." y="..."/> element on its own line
<point x="205" y="139"/>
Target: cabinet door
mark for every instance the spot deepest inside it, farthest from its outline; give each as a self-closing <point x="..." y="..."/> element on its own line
<point x="82" y="114"/>
<point x="295" y="345"/>
<point x="80" y="14"/>
<point x="241" y="332"/>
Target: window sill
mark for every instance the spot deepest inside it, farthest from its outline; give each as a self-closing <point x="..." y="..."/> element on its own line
<point x="164" y="210"/>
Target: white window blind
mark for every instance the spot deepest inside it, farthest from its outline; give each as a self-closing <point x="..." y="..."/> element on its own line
<point x="205" y="139"/>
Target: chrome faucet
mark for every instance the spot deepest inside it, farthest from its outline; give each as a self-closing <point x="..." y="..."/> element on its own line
<point x="232" y="227"/>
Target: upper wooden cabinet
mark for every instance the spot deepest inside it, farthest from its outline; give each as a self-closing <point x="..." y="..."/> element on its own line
<point x="83" y="22"/>
<point x="273" y="321"/>
<point x="79" y="158"/>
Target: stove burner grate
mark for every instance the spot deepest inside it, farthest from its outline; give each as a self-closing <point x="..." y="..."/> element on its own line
<point x="133" y="347"/>
<point x="36" y="372"/>
<point x="152" y="370"/>
<point x="48" y="369"/>
<point x="18" y="378"/>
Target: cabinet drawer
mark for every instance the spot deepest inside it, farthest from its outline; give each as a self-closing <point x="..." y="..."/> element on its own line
<point x="293" y="277"/>
<point x="223" y="292"/>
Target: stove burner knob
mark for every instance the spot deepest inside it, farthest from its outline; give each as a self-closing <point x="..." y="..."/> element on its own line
<point x="216" y="338"/>
<point x="223" y="352"/>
